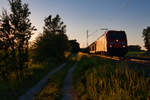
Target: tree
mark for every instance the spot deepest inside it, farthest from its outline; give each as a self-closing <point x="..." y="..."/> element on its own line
<point x="74" y="46"/>
<point x="6" y="46"/>
<point x="15" y="32"/>
<point x="146" y="36"/>
<point x="53" y="41"/>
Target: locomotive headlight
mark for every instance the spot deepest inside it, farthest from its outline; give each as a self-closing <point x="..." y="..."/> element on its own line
<point x="124" y="46"/>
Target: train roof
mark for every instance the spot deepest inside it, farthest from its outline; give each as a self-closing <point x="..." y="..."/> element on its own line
<point x="115" y="31"/>
<point x="106" y="32"/>
<point x="110" y="31"/>
<point x="92" y="43"/>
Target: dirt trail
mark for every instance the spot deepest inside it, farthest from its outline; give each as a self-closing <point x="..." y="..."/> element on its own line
<point x="67" y="87"/>
<point x="37" y="88"/>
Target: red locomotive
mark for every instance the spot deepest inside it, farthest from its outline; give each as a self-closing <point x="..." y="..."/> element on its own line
<point x="113" y="43"/>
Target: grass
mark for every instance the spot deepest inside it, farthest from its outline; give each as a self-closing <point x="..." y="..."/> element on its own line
<point x="52" y="91"/>
<point x="103" y="79"/>
<point x="11" y="89"/>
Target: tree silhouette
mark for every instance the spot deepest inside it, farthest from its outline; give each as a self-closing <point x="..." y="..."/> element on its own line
<point x="53" y="41"/>
<point x="15" y="32"/>
<point x="146" y="36"/>
<point x="6" y="45"/>
<point x="74" y="46"/>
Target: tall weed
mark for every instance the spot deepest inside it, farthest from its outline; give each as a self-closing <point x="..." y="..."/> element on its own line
<point x="100" y="79"/>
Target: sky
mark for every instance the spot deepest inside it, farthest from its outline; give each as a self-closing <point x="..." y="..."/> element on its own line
<point x="132" y="16"/>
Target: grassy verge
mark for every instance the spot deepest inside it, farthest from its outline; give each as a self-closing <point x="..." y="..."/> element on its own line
<point x="52" y="91"/>
<point x="12" y="88"/>
<point x="102" y="79"/>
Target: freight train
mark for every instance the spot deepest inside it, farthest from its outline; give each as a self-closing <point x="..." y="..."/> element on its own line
<point x="112" y="43"/>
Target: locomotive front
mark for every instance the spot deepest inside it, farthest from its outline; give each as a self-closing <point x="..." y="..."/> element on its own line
<point x="116" y="43"/>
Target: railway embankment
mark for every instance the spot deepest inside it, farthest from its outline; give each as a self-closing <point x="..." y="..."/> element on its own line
<point x="139" y="64"/>
<point x="101" y="78"/>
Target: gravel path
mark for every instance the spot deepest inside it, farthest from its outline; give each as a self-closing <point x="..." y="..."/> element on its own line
<point x="67" y="87"/>
<point x="37" y="88"/>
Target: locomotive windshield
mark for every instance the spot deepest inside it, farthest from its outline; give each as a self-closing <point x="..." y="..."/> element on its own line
<point x="116" y="35"/>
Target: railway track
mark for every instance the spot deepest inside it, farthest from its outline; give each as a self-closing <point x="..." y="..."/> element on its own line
<point x="139" y="60"/>
<point x="129" y="59"/>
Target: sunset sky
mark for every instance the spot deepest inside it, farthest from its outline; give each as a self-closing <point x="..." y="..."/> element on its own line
<point x="81" y="15"/>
